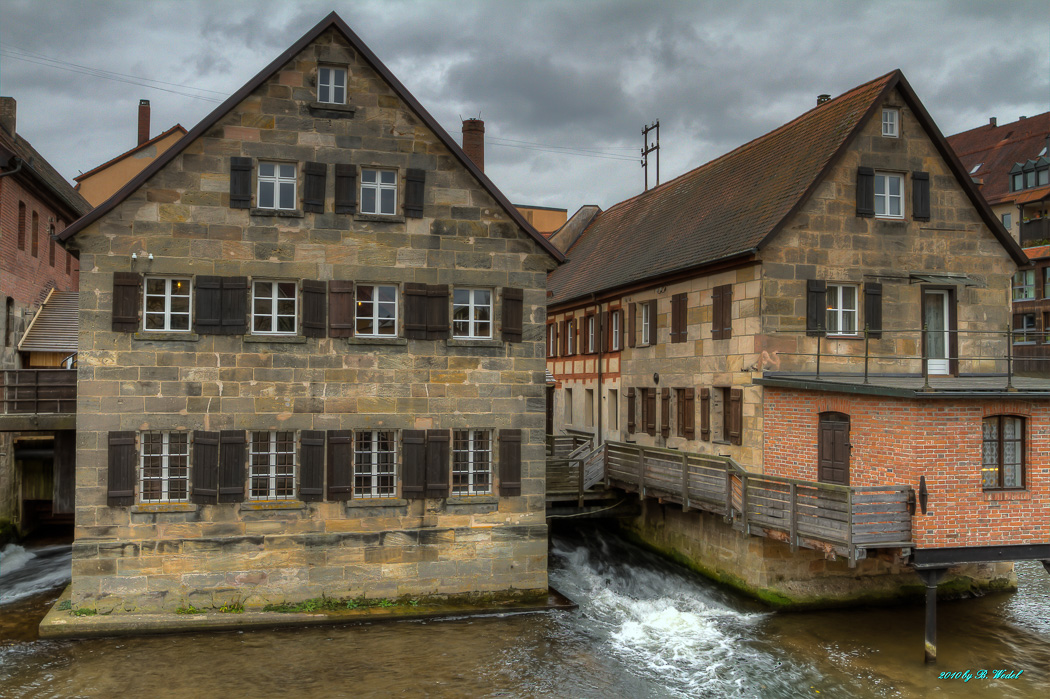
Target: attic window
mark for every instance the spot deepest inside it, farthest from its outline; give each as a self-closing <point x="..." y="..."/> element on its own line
<point x="331" y="85"/>
<point x="891" y="122"/>
<point x="1043" y="152"/>
<point x="975" y="168"/>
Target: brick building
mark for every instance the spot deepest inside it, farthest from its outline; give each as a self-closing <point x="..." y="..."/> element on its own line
<point x="311" y="357"/>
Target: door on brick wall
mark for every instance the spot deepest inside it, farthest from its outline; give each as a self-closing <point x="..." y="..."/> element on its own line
<point x="833" y="449"/>
<point x="937" y="317"/>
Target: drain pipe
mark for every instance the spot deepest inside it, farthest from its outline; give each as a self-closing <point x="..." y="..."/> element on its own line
<point x="18" y="168"/>
<point x="598" y="438"/>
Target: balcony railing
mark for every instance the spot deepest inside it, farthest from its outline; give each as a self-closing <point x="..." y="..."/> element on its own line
<point x="39" y="391"/>
<point x="1035" y="231"/>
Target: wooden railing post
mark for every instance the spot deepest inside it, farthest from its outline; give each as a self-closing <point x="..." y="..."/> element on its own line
<point x="729" y="493"/>
<point x="685" y="482"/>
<point x="743" y="502"/>
<point x="793" y="533"/>
<point x="579" y="480"/>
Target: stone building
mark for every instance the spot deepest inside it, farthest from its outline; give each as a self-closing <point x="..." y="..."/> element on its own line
<point x="311" y="357"/>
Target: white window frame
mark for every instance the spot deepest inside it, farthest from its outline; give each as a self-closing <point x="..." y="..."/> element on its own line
<point x="837" y="310"/>
<point x="274" y="315"/>
<point x="568" y="406"/>
<point x="551" y="337"/>
<point x="646" y="325"/>
<point x="472" y="322"/>
<point x="375" y="468"/>
<point x="1024" y="285"/>
<point x="588" y="407"/>
<point x="335" y="84"/>
<point x="1017" y="181"/>
<point x="1008" y="221"/>
<point x="571" y="342"/>
<point x="891" y="120"/>
<point x="167" y="314"/>
<point x="614" y="409"/>
<point x="886" y="199"/>
<point x="615" y="331"/>
<point x="590" y="334"/>
<point x="378" y="187"/>
<point x="375" y="318"/>
<point x="1027" y="333"/>
<point x="276" y="180"/>
<point x="169" y="474"/>
<point x="472" y="464"/>
<point x="1046" y="282"/>
<point x="264" y="465"/>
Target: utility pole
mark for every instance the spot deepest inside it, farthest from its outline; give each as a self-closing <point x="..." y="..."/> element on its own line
<point x="647" y="148"/>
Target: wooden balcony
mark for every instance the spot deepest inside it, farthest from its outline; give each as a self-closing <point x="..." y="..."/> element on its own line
<point x="1035" y="231"/>
<point x="38" y="399"/>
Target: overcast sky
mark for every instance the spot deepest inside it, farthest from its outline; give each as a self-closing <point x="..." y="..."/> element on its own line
<point x="578" y="78"/>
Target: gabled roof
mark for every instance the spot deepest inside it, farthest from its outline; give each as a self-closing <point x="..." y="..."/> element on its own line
<point x="136" y="149"/>
<point x="332" y="21"/>
<point x="997" y="149"/>
<point x="732" y="206"/>
<point x="54" y="327"/>
<point x="34" y="165"/>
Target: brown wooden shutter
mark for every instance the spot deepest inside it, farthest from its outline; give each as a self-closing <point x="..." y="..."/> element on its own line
<point x="665" y="413"/>
<point x="920" y="196"/>
<point x="437" y="312"/>
<point x="234" y="306"/>
<point x="736" y="415"/>
<point x="816" y="307"/>
<point x="231" y="465"/>
<point x="865" y="191"/>
<point x="605" y="332"/>
<point x="340" y="465"/>
<point x="622" y="329"/>
<point x="345" y="189"/>
<point x="556" y="344"/>
<point x="340" y="308"/>
<point x="632" y="321"/>
<point x="240" y="183"/>
<point x="565" y="338"/>
<point x="314" y="175"/>
<point x="705" y="414"/>
<point x="689" y="413"/>
<point x="873" y="309"/>
<point x="437" y="463"/>
<point x="415" y="311"/>
<point x="205" y="467"/>
<point x="127" y="292"/>
<point x="509" y="462"/>
<point x="122" y="462"/>
<point x="314" y="312"/>
<point x="513" y="314"/>
<point x="581" y="328"/>
<point x="716" y="313"/>
<point x="630" y="411"/>
<point x="311" y="465"/>
<point x="727" y="311"/>
<point x="207" y="316"/>
<point x="414" y="470"/>
<point x="653" y="325"/>
<point x="415" y="188"/>
<point x="678" y="324"/>
<point x="650" y="410"/>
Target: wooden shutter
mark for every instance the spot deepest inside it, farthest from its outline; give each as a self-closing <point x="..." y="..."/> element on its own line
<point x="604" y="332"/>
<point x="920" y="196"/>
<point x="313" y="187"/>
<point x="122" y="462"/>
<point x="340" y="308"/>
<point x="816" y="307"/>
<point x="127" y="291"/>
<point x="581" y="328"/>
<point x="689" y="413"/>
<point x="415" y="186"/>
<point x="865" y="191"/>
<point x="240" y="183"/>
<point x="705" y="414"/>
<point x="873" y="308"/>
<point x="234" y="306"/>
<point x="630" y="411"/>
<point x="205" y="467"/>
<point x="632" y="322"/>
<point x="340" y="465"/>
<point x="716" y="313"/>
<point x="437" y="312"/>
<point x="665" y="413"/>
<point x="565" y="338"/>
<point x="231" y="465"/>
<point x="513" y="314"/>
<point x="736" y="415"/>
<point x="311" y="465"/>
<point x="345" y="189"/>
<point x="415" y="311"/>
<point x="650" y="410"/>
<point x="437" y="463"/>
<point x="414" y="470"/>
<point x="622" y="330"/>
<point x="509" y="462"/>
<point x="557" y="339"/>
<point x="653" y="336"/>
<point x="678" y="322"/>
<point x="727" y="311"/>
<point x="314" y="312"/>
<point x="207" y="316"/>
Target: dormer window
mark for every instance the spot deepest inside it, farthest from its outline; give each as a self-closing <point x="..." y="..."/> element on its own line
<point x="331" y="85"/>
<point x="975" y="168"/>
<point x="891" y="122"/>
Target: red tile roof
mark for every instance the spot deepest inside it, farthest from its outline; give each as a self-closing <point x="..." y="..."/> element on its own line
<point x="997" y="149"/>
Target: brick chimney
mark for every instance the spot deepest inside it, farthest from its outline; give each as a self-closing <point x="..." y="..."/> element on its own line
<point x="821" y="99"/>
<point x="8" y="109"/>
<point x="143" y="121"/>
<point x="991" y="121"/>
<point x="474" y="141"/>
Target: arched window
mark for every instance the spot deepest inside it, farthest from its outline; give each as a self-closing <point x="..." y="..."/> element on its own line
<point x="1002" y="453"/>
<point x="35" y="242"/>
<point x="21" y="225"/>
<point x="51" y="245"/>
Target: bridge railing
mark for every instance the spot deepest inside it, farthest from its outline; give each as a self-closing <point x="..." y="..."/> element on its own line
<point x="38" y="391"/>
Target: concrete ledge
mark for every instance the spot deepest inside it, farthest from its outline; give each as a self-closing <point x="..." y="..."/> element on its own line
<point x="60" y="622"/>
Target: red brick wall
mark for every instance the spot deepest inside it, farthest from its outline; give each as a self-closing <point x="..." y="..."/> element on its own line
<point x="897" y="440"/>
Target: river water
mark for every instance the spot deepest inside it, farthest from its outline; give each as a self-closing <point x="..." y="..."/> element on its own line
<point x="644" y="628"/>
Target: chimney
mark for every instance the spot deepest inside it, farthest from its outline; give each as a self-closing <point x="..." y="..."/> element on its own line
<point x="7" y="114"/>
<point x="821" y="99"/>
<point x="143" y="121"/>
<point x="474" y="141"/>
<point x="991" y="122"/>
<point x="1021" y="117"/>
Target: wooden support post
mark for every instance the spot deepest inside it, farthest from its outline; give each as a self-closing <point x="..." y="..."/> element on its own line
<point x="931" y="576"/>
<point x="641" y="472"/>
<point x="685" y="482"/>
<point x="794" y="518"/>
<point x="579" y="482"/>
<point x="743" y="502"/>
<point x="729" y="494"/>
<point x="865" y="354"/>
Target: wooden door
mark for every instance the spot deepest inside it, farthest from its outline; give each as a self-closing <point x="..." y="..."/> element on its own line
<point x="833" y="449"/>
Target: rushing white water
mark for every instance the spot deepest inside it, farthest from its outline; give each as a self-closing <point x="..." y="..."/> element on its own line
<point x="27" y="572"/>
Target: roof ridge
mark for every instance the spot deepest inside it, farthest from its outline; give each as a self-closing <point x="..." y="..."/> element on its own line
<point x="126" y="153"/>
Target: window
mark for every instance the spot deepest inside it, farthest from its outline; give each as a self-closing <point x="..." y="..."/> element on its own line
<point x="1024" y="284"/>
<point x="570" y="339"/>
<point x="472" y="313"/>
<point x="69" y="263"/>
<point x="1017" y="182"/>
<point x="164" y="467"/>
<point x="375" y="464"/>
<point x="167" y="305"/>
<point x="975" y="168"/>
<point x="376" y="313"/>
<point x="1043" y="176"/>
<point x="51" y="245"/>
<point x="1046" y="282"/>
<point x="1029" y="179"/>
<point x="552" y="338"/>
<point x="274" y="309"/>
<point x="1007" y="221"/>
<point x="646" y="324"/>
<point x="1003" y="452"/>
<point x="616" y="330"/>
<point x="471" y="462"/>
<point x="568" y="406"/>
<point x="35" y="240"/>
<point x="842" y="309"/>
<point x="614" y="409"/>
<point x="272" y="472"/>
<point x="378" y="191"/>
<point x="276" y="186"/>
<point x="1024" y="328"/>
<point x="588" y="408"/>
<point x="590" y="335"/>
<point x="889" y="200"/>
<point x="727" y="420"/>
<point x="890" y="123"/>
<point x="331" y="85"/>
<point x="21" y="225"/>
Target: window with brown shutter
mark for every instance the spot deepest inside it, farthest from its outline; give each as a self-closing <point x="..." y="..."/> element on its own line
<point x="205" y="467"/>
<point x="240" y="183"/>
<point x="509" y="462"/>
<point x="416" y="311"/>
<point x="231" y="465"/>
<point x="653" y="325"/>
<point x="665" y="413"/>
<point x="865" y="191"/>
<point x="688" y="423"/>
<point x="736" y="415"/>
<point x="650" y="411"/>
<point x="722" y="312"/>
<point x="122" y="467"/>
<point x="565" y="332"/>
<point x="315" y="322"/>
<point x="632" y="324"/>
<point x="414" y="469"/>
<point x="234" y="306"/>
<point x="207" y="295"/>
<point x="314" y="176"/>
<point x="513" y="314"/>
<point x="340" y="308"/>
<point x="415" y="190"/>
<point x="816" y="307"/>
<point x="437" y="312"/>
<point x="127" y="290"/>
<point x="630" y="411"/>
<point x="311" y="465"/>
<point x="345" y="189"/>
<point x="705" y="414"/>
<point x="604" y="332"/>
<point x="621" y="330"/>
<point x="679" y="331"/>
<point x="920" y="196"/>
<point x="873" y="308"/>
<point x="340" y="465"/>
<point x="437" y="463"/>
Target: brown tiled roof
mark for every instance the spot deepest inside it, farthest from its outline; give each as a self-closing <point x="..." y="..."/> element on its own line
<point x="1037" y="252"/>
<point x="178" y="127"/>
<point x="34" y="164"/>
<point x="997" y="149"/>
<point x="1030" y="195"/>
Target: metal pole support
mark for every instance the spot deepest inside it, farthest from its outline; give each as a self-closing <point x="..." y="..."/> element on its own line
<point x="931" y="576"/>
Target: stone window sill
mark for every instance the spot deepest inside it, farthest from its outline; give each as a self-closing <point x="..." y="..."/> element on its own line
<point x="278" y="213"/>
<point x="389" y="341"/>
<point x="472" y="500"/>
<point x="844" y="337"/>
<point x="381" y="218"/>
<point x="328" y="110"/>
<point x="161" y="507"/>
<point x="1000" y="495"/>
<point x="262" y="505"/>
<point x="149" y="336"/>
<point x="276" y="339"/>
<point x="376" y="502"/>
<point x="471" y="342"/>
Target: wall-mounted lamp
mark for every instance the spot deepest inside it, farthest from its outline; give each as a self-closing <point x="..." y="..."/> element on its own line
<point x="151" y="257"/>
<point x="134" y="256"/>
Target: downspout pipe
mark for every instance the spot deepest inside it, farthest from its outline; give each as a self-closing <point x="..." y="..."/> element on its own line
<point x="17" y="169"/>
<point x="598" y="438"/>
